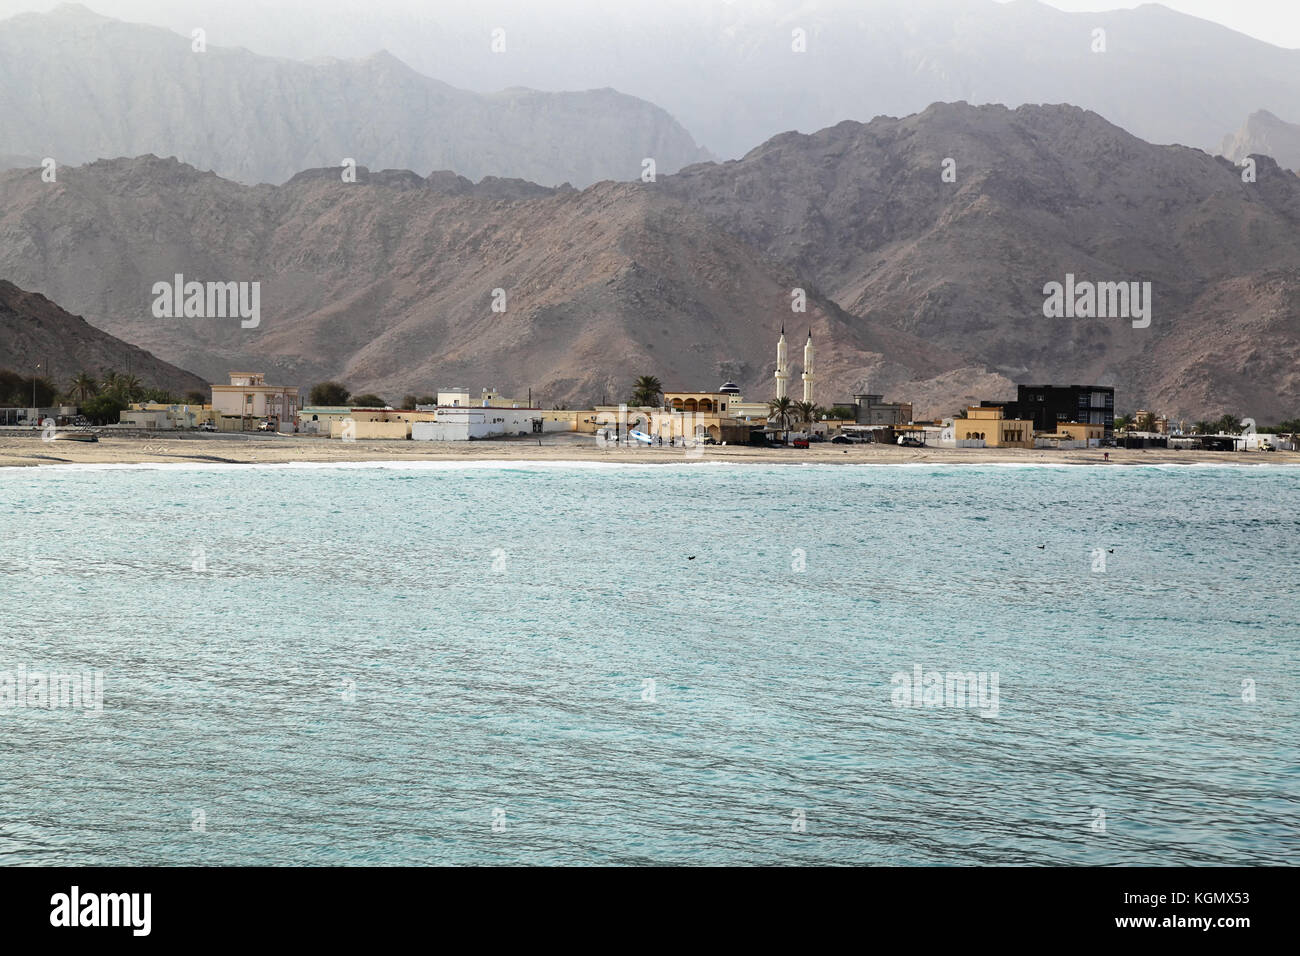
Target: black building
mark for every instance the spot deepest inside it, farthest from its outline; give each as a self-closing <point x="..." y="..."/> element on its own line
<point x="1047" y="405"/>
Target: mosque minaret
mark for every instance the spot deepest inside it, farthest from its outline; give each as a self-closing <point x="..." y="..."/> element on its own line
<point x="808" y="369"/>
<point x="782" y="366"/>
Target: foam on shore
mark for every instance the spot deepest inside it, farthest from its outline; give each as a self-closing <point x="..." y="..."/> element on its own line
<point x="588" y="465"/>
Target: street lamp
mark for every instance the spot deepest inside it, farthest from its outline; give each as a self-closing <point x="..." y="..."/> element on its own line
<point x="38" y="368"/>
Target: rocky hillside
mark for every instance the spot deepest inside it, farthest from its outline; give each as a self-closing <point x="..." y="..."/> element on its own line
<point x="1040" y="192"/>
<point x="1263" y="134"/>
<point x="33" y="330"/>
<point x="921" y="288"/>
<point x="132" y="89"/>
<point x="389" y="283"/>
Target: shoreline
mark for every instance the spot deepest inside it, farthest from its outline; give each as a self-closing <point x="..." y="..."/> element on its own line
<point x="186" y="449"/>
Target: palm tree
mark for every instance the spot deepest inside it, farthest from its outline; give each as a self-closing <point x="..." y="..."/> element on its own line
<point x="646" y="391"/>
<point x="1229" y="424"/>
<point x="781" y="409"/>
<point x="1121" y="423"/>
<point x="129" y="386"/>
<point x="83" y="387"/>
<point x="1203" y="428"/>
<point x="805" y="412"/>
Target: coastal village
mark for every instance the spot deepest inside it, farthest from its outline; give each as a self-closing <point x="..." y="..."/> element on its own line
<point x="1046" y="416"/>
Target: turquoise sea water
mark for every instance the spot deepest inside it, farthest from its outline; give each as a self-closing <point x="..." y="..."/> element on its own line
<point x="377" y="663"/>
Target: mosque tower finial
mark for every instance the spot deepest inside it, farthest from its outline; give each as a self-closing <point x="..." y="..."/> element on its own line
<point x="782" y="365"/>
<point x="808" y="368"/>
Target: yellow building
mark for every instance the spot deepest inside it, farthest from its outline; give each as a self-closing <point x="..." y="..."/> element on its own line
<point x="1080" y="431"/>
<point x="723" y="416"/>
<point x="986" y="423"/>
<point x="708" y="402"/>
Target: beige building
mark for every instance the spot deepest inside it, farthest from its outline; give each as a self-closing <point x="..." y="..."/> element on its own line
<point x="1145" y="421"/>
<point x="248" y="396"/>
<point x="669" y="424"/>
<point x="154" y="415"/>
<point x="710" y="403"/>
<point x="872" y="409"/>
<point x="723" y="416"/>
<point x="359" y="423"/>
<point x="986" y="423"/>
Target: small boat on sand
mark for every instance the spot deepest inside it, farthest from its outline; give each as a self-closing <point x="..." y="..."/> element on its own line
<point x="75" y="436"/>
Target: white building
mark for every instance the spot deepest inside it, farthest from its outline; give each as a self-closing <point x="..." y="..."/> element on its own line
<point x="463" y="424"/>
<point x="461" y="398"/>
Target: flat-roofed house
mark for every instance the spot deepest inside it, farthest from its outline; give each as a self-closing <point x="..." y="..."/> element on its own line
<point x="249" y="396"/>
<point x="987" y="424"/>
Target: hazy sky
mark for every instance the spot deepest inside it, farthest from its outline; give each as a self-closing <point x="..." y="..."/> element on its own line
<point x="1274" y="21"/>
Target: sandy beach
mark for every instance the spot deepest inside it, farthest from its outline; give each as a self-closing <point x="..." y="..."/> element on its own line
<point x="17" y="450"/>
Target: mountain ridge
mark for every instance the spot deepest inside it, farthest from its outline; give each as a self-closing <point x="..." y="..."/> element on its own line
<point x="727" y="71"/>
<point x="926" y="290"/>
<point x="200" y="106"/>
<point x="1264" y="134"/>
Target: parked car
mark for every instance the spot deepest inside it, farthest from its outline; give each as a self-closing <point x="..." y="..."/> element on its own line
<point x="907" y="441"/>
<point x="800" y="443"/>
<point x="207" y="426"/>
<point x="1266" y="446"/>
<point x="266" y="426"/>
<point x="844" y="440"/>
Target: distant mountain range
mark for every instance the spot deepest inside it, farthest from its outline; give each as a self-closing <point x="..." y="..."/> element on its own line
<point x="34" y="331"/>
<point x="1266" y="135"/>
<point x="924" y="289"/>
<point x="728" y="70"/>
<point x="75" y="86"/>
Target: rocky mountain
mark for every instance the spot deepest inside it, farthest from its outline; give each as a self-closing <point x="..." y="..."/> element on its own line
<point x="1265" y="135"/>
<point x="76" y="87"/>
<point x="729" y="70"/>
<point x="1039" y="193"/>
<point x="389" y="283"/>
<point x="925" y="289"/>
<point x="33" y="330"/>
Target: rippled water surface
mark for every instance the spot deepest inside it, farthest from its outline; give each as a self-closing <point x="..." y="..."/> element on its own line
<point x="378" y="662"/>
